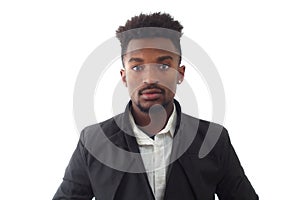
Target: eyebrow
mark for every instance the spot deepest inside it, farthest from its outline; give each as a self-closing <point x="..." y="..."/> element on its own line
<point x="162" y="58"/>
<point x="159" y="59"/>
<point x="135" y="60"/>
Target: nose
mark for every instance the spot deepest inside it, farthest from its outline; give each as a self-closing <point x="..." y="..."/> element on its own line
<point x="150" y="75"/>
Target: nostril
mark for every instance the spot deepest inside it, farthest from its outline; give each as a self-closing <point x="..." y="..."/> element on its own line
<point x="150" y="81"/>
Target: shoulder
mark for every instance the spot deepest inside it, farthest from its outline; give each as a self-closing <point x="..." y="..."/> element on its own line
<point x="108" y="128"/>
<point x="203" y="126"/>
<point x="210" y="137"/>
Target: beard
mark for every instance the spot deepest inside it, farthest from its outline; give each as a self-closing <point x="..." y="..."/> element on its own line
<point x="145" y="109"/>
<point x="163" y="104"/>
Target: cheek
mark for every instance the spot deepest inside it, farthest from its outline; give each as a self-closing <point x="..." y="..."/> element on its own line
<point x="172" y="87"/>
<point x="169" y="82"/>
<point x="133" y="83"/>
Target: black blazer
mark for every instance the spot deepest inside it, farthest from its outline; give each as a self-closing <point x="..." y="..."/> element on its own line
<point x="93" y="172"/>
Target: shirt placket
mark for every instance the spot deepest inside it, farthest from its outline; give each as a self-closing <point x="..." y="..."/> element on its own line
<point x="159" y="163"/>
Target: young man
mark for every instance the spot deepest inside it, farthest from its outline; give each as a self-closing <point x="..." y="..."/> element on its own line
<point x="151" y="150"/>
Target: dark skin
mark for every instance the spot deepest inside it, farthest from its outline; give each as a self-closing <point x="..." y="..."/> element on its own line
<point x="151" y="75"/>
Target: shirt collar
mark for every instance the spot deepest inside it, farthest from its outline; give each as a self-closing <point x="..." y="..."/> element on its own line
<point x="143" y="138"/>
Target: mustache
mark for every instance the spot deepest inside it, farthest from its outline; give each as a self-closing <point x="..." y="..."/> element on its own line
<point x="152" y="86"/>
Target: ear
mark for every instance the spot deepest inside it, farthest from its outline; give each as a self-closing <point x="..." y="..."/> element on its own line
<point x="180" y="76"/>
<point x="123" y="77"/>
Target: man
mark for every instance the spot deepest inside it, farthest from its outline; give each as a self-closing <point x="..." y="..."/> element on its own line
<point x="151" y="150"/>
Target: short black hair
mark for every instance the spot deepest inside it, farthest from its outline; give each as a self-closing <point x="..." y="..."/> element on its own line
<point x="166" y="26"/>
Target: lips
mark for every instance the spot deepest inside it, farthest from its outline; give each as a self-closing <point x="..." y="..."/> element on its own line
<point x="151" y="91"/>
<point x="151" y="94"/>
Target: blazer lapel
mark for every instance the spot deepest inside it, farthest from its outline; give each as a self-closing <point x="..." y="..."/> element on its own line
<point x="200" y="173"/>
<point x="184" y="158"/>
<point x="185" y="132"/>
<point x="137" y="167"/>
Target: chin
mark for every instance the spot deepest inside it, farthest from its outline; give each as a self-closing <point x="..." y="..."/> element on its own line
<point x="145" y="106"/>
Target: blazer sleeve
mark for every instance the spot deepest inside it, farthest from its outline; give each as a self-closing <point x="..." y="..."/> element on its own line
<point x="76" y="182"/>
<point x="234" y="185"/>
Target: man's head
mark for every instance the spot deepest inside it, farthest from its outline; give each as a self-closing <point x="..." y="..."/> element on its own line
<point x="151" y="56"/>
<point x="136" y="28"/>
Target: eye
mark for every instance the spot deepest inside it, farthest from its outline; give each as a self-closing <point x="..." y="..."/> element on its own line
<point x="163" y="67"/>
<point x="137" y="68"/>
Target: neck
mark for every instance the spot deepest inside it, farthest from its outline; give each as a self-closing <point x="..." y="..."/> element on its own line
<point x="153" y="121"/>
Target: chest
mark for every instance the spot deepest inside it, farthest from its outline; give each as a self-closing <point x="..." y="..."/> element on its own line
<point x="187" y="178"/>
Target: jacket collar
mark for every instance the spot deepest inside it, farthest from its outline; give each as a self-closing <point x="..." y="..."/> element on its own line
<point x="185" y="131"/>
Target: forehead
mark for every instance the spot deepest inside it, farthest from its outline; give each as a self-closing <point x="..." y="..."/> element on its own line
<point x="150" y="47"/>
<point x="162" y="44"/>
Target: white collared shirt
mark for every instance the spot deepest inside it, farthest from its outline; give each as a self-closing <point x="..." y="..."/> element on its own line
<point x="156" y="153"/>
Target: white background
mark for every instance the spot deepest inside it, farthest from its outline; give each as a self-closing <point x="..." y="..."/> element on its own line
<point x="254" y="44"/>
